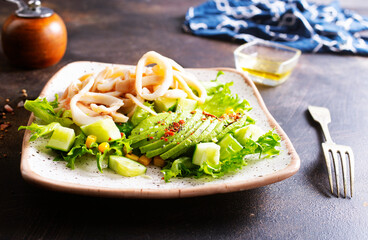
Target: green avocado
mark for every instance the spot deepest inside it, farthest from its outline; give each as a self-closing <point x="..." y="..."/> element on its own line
<point x="232" y="126"/>
<point x="198" y="139"/>
<point x="212" y="135"/>
<point x="146" y="123"/>
<point x="147" y="132"/>
<point x="188" y="142"/>
<point x="174" y="142"/>
<point x="190" y="122"/>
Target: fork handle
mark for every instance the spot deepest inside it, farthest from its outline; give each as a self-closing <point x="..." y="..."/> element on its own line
<point x="326" y="132"/>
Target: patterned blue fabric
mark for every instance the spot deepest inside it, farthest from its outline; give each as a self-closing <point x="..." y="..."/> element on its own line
<point x="295" y="23"/>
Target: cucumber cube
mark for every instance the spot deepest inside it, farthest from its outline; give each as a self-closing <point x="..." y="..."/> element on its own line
<point x="207" y="152"/>
<point x="251" y="131"/>
<point x="62" y="139"/>
<point x="164" y="104"/>
<point x="229" y="145"/>
<point x="104" y="129"/>
<point x="126" y="167"/>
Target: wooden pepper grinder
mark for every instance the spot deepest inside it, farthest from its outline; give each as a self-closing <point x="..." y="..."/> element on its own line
<point x="34" y="36"/>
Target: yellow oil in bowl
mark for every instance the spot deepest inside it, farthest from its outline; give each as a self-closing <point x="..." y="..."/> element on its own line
<point x="265" y="62"/>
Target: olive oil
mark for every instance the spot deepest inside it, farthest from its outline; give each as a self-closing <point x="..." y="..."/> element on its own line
<point x="267" y="75"/>
<point x="266" y="62"/>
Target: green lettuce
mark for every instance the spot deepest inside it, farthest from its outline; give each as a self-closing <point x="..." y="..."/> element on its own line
<point x="45" y="110"/>
<point x="220" y="98"/>
<point x="117" y="147"/>
<point x="40" y="130"/>
<point x="126" y="127"/>
<point x="180" y="167"/>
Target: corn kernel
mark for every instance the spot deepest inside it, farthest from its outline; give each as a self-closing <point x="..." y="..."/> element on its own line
<point x="158" y="161"/>
<point x="103" y="147"/>
<point x="132" y="156"/>
<point x="90" y="140"/>
<point x="84" y="77"/>
<point x="144" y="160"/>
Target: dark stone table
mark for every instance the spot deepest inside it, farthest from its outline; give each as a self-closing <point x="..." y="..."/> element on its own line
<point x="297" y="208"/>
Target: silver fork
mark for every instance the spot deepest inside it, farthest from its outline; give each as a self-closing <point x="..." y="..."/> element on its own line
<point x="334" y="152"/>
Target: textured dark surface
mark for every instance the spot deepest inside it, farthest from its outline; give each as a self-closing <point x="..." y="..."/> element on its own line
<point x="297" y="208"/>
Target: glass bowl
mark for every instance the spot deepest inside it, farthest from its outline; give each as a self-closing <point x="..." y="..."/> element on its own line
<point x="266" y="62"/>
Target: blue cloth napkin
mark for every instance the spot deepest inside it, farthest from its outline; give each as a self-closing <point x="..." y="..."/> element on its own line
<point x="295" y="23"/>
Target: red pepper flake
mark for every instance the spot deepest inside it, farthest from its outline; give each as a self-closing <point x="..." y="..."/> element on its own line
<point x="181" y="122"/>
<point x="159" y="122"/>
<point x="151" y="137"/>
<point x="109" y="138"/>
<point x="192" y="133"/>
<point x="162" y="138"/>
<point x="208" y="114"/>
<point x="122" y="134"/>
<point x="178" y="143"/>
<point x="204" y="119"/>
<point x="165" y="139"/>
<point x="170" y="112"/>
<point x="162" y="123"/>
<point x="170" y="133"/>
<point x="193" y="112"/>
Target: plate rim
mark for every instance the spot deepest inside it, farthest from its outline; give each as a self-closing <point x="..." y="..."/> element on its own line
<point x="194" y="191"/>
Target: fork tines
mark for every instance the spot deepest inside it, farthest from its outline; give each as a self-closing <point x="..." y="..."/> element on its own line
<point x="339" y="154"/>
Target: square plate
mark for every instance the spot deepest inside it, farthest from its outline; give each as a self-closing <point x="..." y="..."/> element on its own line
<point x="38" y="167"/>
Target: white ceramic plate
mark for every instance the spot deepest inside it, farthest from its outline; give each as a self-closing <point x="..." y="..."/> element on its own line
<point x="37" y="165"/>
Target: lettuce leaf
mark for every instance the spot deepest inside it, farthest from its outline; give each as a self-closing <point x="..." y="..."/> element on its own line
<point x="44" y="110"/>
<point x="220" y="99"/>
<point x="126" y="127"/>
<point x="117" y="147"/>
<point x="40" y="130"/>
<point x="180" y="167"/>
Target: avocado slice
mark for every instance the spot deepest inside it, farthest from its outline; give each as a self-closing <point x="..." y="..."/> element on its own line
<point x="104" y="129"/>
<point x="220" y="125"/>
<point x="194" y="140"/>
<point x="232" y="126"/>
<point x="183" y="116"/>
<point x="174" y="142"/>
<point x="153" y="129"/>
<point x="191" y="121"/>
<point x="183" y="146"/>
<point x="148" y="122"/>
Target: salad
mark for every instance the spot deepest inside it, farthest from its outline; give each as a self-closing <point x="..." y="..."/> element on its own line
<point x="154" y="114"/>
